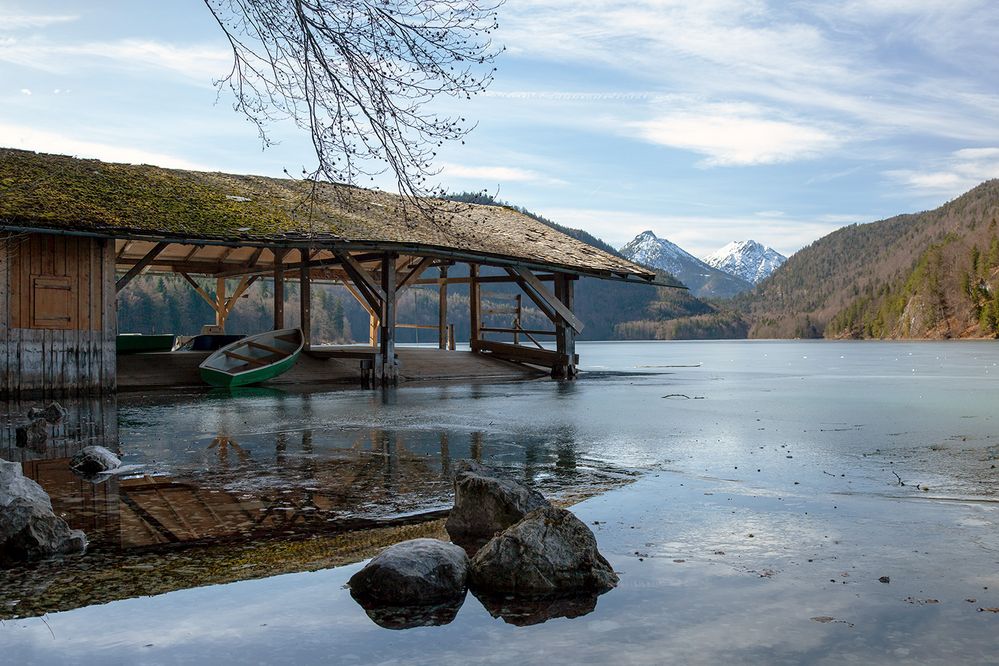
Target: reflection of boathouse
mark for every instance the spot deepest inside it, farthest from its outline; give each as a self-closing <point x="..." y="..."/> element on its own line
<point x="75" y="232"/>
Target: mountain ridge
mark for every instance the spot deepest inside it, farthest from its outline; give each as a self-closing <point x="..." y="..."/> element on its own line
<point x="750" y="260"/>
<point x="703" y="280"/>
<point x="927" y="275"/>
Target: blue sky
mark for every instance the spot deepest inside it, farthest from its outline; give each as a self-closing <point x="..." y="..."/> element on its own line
<point x="705" y="121"/>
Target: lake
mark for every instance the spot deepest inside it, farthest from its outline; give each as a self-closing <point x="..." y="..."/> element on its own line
<point x="753" y="496"/>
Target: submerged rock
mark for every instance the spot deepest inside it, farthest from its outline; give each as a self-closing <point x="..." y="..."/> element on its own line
<point x="485" y="504"/>
<point x="32" y="435"/>
<point x="418" y="572"/>
<point x="29" y="529"/>
<point x="93" y="460"/>
<point x="53" y="412"/>
<point x="550" y="552"/>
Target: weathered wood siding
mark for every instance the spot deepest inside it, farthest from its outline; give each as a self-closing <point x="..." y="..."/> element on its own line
<point x="57" y="310"/>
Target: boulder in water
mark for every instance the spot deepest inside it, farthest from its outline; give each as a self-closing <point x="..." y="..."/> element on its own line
<point x="29" y="530"/>
<point x="418" y="572"/>
<point x="93" y="460"/>
<point x="53" y="412"/>
<point x="485" y="503"/>
<point x="550" y="552"/>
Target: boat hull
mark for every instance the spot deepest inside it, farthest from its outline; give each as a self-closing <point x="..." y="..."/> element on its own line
<point x="139" y="344"/>
<point x="214" y="372"/>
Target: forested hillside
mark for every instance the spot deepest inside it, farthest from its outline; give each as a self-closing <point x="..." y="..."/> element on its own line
<point x="926" y="275"/>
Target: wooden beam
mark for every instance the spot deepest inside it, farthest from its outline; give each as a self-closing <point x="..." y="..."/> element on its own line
<point x="370" y="308"/>
<point x="373" y="325"/>
<point x="484" y="279"/>
<point x="220" y="313"/>
<point x="201" y="292"/>
<point x="410" y="277"/>
<point x="124" y="248"/>
<point x="139" y="266"/>
<point x="554" y="303"/>
<point x="305" y="299"/>
<point x="360" y="275"/>
<point x="474" y="306"/>
<point x="243" y="285"/>
<point x="565" y="337"/>
<point x="279" y="289"/>
<point x="519" y="353"/>
<point x="255" y="257"/>
<point x="194" y="251"/>
<point x="442" y="308"/>
<point x="390" y="370"/>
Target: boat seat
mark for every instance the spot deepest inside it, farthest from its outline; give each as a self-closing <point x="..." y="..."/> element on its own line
<point x="260" y="345"/>
<point x="255" y="362"/>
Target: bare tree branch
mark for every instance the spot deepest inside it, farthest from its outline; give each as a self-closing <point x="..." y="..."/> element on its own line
<point x="359" y="75"/>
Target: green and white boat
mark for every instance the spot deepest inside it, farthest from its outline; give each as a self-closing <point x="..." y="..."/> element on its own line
<point x="134" y="343"/>
<point x="254" y="359"/>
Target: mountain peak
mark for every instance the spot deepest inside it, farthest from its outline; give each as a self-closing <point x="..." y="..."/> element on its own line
<point x="747" y="259"/>
<point x="647" y="248"/>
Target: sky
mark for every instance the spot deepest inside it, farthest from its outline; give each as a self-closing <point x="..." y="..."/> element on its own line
<point x="705" y="121"/>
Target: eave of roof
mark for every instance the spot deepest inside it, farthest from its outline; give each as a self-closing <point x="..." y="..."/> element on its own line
<point x="41" y="192"/>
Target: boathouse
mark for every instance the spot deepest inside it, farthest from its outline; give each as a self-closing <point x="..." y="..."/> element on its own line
<point x="74" y="233"/>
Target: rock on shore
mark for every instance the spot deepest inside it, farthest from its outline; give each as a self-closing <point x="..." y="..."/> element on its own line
<point x="29" y="529"/>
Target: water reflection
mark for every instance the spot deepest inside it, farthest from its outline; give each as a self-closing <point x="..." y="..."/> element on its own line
<point x="409" y="617"/>
<point x="527" y="612"/>
<point x="263" y="466"/>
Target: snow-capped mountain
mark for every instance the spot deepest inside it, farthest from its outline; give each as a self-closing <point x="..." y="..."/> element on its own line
<point x="747" y="259"/>
<point x="703" y="280"/>
<point x="646" y="248"/>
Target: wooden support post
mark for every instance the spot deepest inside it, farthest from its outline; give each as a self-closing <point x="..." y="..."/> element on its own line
<point x="442" y="308"/>
<point x="519" y="299"/>
<point x="545" y="299"/>
<point x="390" y="371"/>
<point x="279" y="289"/>
<point x="220" y="313"/>
<point x="474" y="307"/>
<point x="305" y="294"/>
<point x="373" y="329"/>
<point x="565" y="336"/>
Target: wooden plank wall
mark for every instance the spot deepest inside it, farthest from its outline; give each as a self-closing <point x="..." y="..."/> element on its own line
<point x="76" y="354"/>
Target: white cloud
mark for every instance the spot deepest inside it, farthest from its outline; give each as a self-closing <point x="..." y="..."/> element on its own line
<point x="731" y="135"/>
<point x="699" y="235"/>
<point x="9" y="22"/>
<point x="203" y="63"/>
<point x="494" y="174"/>
<point x="26" y="138"/>
<point x="26" y="91"/>
<point x="848" y="73"/>
<point x="953" y="175"/>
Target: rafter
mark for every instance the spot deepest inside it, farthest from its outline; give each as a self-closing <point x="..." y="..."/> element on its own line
<point x="140" y="265"/>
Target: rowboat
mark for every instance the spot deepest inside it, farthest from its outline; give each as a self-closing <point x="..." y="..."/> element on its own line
<point x="134" y="343"/>
<point x="254" y="359"/>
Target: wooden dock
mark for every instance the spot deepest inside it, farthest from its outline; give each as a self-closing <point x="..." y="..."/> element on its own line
<point x="326" y="365"/>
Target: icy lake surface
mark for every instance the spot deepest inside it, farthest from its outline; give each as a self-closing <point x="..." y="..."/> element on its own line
<point x="777" y="485"/>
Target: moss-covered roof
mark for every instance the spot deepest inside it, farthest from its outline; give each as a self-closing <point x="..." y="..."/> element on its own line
<point x="123" y="200"/>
